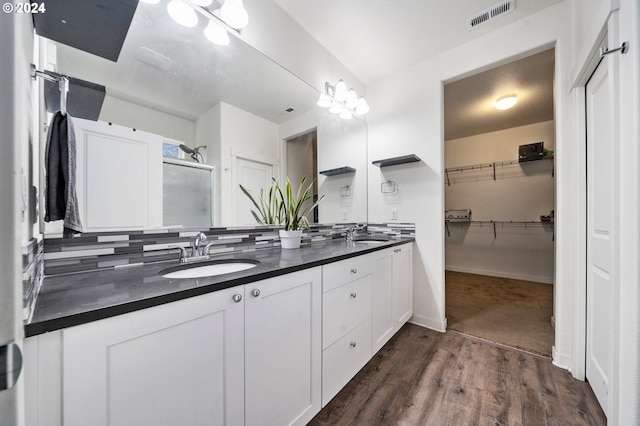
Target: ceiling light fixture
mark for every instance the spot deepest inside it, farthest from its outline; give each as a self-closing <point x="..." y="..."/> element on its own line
<point x="506" y="102"/>
<point x="342" y="101"/>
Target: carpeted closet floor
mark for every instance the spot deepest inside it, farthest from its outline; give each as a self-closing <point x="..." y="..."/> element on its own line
<point x="506" y="311"/>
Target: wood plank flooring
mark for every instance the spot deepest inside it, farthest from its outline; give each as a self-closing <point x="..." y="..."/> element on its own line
<point x="422" y="377"/>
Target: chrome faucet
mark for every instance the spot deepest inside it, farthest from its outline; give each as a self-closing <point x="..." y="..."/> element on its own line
<point x="196" y="254"/>
<point x="196" y="244"/>
<point x="354" y="230"/>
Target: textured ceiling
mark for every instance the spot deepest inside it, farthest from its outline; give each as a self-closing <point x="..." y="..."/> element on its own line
<point x="469" y="103"/>
<point x="375" y="38"/>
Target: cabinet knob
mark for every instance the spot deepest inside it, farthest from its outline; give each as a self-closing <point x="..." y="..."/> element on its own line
<point x="352" y="344"/>
<point x="237" y="298"/>
<point x="353" y="295"/>
<point x="354" y="271"/>
<point x="255" y="293"/>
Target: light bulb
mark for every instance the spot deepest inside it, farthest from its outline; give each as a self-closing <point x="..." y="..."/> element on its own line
<point x="182" y="13"/>
<point x="345" y="114"/>
<point x="352" y="99"/>
<point x="216" y="34"/>
<point x="203" y="3"/>
<point x="341" y="91"/>
<point x="506" y="102"/>
<point x="324" y="100"/>
<point x="362" y="107"/>
<point x="234" y="14"/>
<point x="336" y="107"/>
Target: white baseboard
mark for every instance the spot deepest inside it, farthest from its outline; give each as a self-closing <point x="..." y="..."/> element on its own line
<point x="501" y="274"/>
<point x="431" y="323"/>
<point x="560" y="360"/>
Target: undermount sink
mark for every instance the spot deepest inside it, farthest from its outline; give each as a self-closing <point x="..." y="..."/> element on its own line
<point x="210" y="269"/>
<point x="365" y="240"/>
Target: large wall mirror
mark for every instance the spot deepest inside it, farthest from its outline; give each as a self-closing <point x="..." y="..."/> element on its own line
<point x="248" y="118"/>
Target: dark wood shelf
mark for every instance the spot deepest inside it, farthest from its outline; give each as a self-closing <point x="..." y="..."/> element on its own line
<point x="412" y="158"/>
<point x="338" y="171"/>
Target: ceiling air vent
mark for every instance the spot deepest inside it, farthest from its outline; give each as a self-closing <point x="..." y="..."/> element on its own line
<point x="489" y="14"/>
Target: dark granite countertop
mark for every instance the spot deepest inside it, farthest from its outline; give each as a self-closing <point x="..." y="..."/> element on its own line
<point x="78" y="298"/>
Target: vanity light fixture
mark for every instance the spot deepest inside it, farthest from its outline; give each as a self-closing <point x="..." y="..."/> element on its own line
<point x="342" y="101"/>
<point x="232" y="16"/>
<point x="182" y="13"/>
<point x="216" y="34"/>
<point x="506" y="102"/>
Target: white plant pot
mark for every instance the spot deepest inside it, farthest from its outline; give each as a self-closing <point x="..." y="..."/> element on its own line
<point x="290" y="239"/>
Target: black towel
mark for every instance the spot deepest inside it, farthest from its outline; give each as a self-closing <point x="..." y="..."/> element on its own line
<point x="61" y="202"/>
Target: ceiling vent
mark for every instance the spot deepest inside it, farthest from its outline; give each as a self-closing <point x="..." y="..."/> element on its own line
<point x="491" y="13"/>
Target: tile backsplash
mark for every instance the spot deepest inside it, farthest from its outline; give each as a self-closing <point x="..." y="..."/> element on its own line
<point x="89" y="251"/>
<point x="32" y="273"/>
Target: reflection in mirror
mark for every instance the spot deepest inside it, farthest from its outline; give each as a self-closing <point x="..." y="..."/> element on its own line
<point x="171" y="83"/>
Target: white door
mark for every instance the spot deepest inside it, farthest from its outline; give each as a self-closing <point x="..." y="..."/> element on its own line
<point x="255" y="177"/>
<point x="600" y="232"/>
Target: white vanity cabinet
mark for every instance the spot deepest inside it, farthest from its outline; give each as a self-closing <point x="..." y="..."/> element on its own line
<point x="402" y="284"/>
<point x="178" y="363"/>
<point x="366" y="300"/>
<point x="346" y="321"/>
<point x="271" y="352"/>
<point x="283" y="349"/>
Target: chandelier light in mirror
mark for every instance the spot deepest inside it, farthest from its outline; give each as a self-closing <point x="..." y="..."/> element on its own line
<point x="506" y="102"/>
<point x="342" y="101"/>
<point x="231" y="16"/>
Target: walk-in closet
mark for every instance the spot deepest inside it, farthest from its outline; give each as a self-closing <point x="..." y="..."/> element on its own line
<point x="500" y="203"/>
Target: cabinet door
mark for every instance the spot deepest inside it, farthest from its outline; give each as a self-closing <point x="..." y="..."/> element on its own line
<point x="174" y="364"/>
<point x="282" y="349"/>
<point x="383" y="319"/>
<point x="402" y="285"/>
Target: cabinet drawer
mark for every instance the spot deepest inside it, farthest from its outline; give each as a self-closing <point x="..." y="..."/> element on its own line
<point x="345" y="307"/>
<point x="343" y="360"/>
<point x="339" y="273"/>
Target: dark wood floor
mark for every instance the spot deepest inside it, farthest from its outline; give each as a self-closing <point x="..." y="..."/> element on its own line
<point x="422" y="377"/>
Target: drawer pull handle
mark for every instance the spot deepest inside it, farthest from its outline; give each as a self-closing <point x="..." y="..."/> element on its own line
<point x="237" y="298"/>
<point x="353" y="295"/>
<point x="352" y="344"/>
<point x="255" y="293"/>
<point x="354" y="271"/>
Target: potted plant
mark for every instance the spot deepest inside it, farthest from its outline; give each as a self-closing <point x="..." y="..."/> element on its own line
<point x="294" y="213"/>
<point x="268" y="210"/>
<point x="284" y="208"/>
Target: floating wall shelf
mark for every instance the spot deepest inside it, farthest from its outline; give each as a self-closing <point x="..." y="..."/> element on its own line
<point x="412" y="158"/>
<point x="338" y="171"/>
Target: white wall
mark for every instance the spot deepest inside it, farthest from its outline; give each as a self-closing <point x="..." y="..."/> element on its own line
<point x="132" y="115"/>
<point x="274" y="33"/>
<point x="521" y="192"/>
<point x="407" y="117"/>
